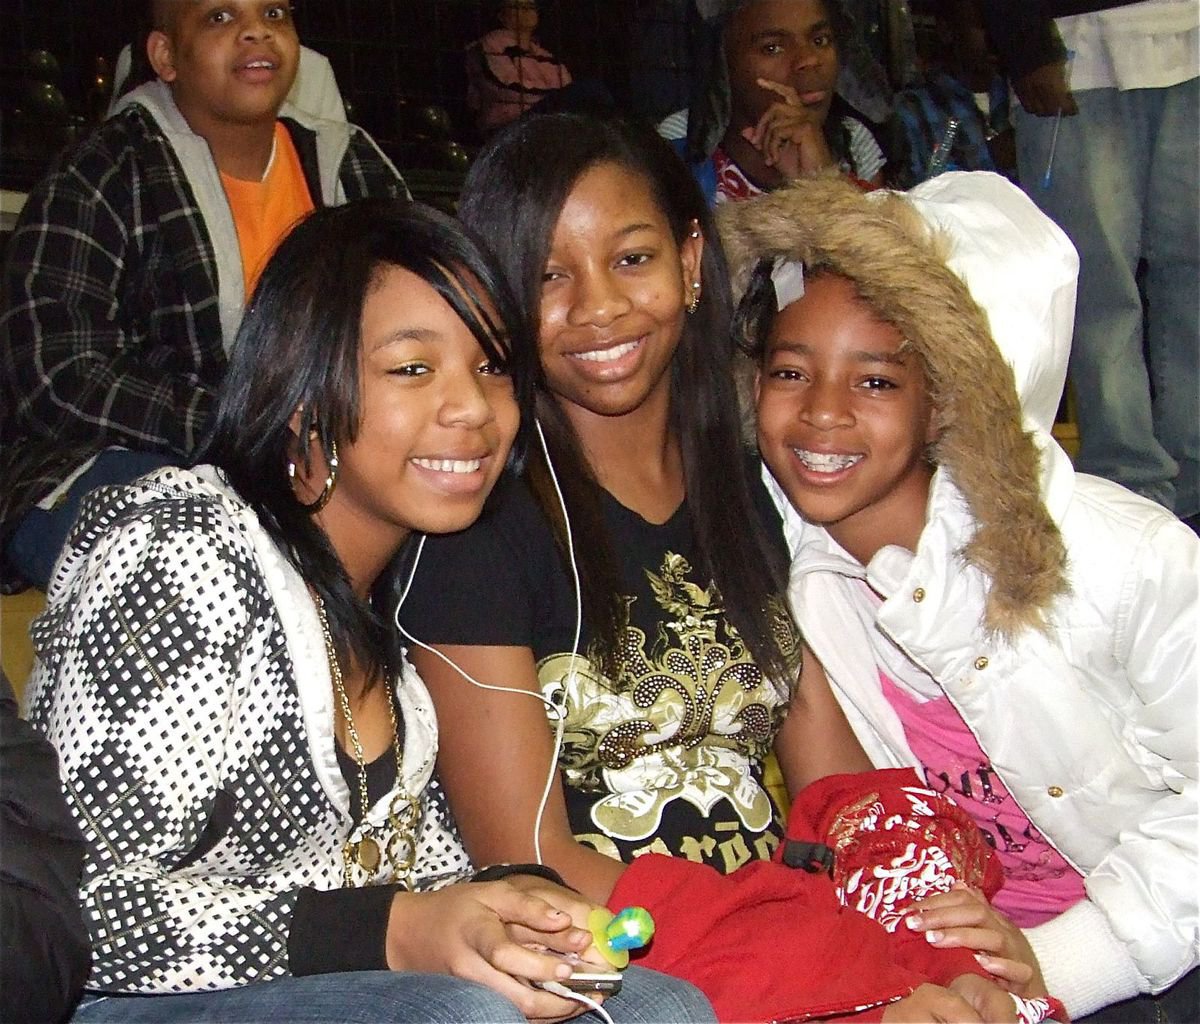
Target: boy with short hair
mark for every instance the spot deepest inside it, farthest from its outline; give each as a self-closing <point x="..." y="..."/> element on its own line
<point x="134" y="257"/>
<point x="765" y="109"/>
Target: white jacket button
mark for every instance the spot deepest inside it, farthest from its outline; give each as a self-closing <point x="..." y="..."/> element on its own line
<point x="981" y="664"/>
<point x="1055" y="791"/>
<point x="919" y="594"/>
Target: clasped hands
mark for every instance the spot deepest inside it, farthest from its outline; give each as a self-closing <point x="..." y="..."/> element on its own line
<point x="963" y="917"/>
<point x="505" y="934"/>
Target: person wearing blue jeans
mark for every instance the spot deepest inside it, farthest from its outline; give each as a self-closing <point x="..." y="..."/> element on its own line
<point x="1108" y="146"/>
<point x="372" y="997"/>
<point x="41" y="533"/>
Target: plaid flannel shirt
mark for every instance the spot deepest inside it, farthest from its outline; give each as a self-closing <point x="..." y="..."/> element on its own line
<point x="111" y="332"/>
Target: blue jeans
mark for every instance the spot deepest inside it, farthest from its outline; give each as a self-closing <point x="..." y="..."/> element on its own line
<point x="384" y="997"/>
<point x="41" y="533"/>
<point x="1124" y="188"/>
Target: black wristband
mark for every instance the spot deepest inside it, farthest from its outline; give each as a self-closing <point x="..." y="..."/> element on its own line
<point x="498" y="871"/>
<point x="338" y="930"/>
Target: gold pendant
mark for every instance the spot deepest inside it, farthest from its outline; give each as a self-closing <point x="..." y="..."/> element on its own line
<point x="403" y="813"/>
<point x="366" y="852"/>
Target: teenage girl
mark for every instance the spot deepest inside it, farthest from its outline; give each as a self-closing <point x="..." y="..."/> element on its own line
<point x="245" y="748"/>
<point x="673" y="672"/>
<point x="1023" y="634"/>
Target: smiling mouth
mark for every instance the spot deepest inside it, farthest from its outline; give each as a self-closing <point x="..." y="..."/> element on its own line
<point x="261" y="64"/>
<point x="608" y="355"/>
<point x="461" y="466"/>
<point x="825" y="462"/>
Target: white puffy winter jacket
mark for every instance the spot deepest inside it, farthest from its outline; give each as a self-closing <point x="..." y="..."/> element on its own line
<point x="1092" y="725"/>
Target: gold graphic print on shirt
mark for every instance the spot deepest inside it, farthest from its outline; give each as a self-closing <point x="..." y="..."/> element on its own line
<point x="685" y="720"/>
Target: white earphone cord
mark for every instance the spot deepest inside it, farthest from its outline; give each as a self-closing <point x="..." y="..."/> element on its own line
<point x="579" y="997"/>
<point x="554" y="709"/>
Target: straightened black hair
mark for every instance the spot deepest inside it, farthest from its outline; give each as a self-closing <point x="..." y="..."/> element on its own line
<point x="513" y="195"/>
<point x="298" y="348"/>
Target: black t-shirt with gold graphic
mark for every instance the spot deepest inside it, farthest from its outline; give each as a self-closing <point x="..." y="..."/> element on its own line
<point x="665" y="758"/>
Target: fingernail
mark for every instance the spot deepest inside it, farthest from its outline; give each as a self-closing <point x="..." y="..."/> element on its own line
<point x="933" y="936"/>
<point x="982" y="959"/>
<point x="913" y="921"/>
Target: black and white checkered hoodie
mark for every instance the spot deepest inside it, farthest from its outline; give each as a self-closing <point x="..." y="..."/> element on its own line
<point x="182" y="675"/>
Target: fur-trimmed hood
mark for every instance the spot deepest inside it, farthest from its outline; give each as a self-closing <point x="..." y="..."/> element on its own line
<point x="980" y="283"/>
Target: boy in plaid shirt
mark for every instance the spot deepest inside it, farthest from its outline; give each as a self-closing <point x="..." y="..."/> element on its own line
<point x="133" y="258"/>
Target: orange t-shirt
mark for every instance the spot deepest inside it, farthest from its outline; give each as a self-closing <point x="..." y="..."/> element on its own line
<point x="265" y="211"/>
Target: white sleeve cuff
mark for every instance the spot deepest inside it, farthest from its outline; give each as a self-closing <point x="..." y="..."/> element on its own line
<point x="1084" y="963"/>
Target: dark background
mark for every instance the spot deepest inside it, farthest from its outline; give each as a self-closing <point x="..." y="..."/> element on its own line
<point x="393" y="59"/>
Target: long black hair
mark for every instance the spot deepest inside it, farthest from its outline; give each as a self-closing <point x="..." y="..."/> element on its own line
<point x="298" y="348"/>
<point x="513" y="196"/>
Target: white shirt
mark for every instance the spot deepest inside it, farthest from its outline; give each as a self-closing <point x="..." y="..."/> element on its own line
<point x="1149" y="45"/>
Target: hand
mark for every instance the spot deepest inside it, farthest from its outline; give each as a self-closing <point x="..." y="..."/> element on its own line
<point x="1043" y="91"/>
<point x="788" y="135"/>
<point x="575" y="940"/>
<point x="963" y="917"/>
<point x="931" y="1003"/>
<point x="466" y="930"/>
<point x="970" y="999"/>
<point x="990" y="1001"/>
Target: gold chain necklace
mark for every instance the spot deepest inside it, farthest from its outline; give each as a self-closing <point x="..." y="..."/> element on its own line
<point x="404" y="812"/>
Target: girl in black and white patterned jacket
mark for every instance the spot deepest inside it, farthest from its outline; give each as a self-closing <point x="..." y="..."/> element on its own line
<point x="244" y="745"/>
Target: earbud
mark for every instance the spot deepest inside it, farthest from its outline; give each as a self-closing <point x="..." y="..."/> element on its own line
<point x="555" y="697"/>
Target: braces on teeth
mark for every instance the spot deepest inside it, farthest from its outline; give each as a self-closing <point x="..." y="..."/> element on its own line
<point x="826" y="462"/>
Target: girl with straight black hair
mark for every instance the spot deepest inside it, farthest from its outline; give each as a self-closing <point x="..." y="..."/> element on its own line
<point x="513" y="197"/>
<point x="308" y="395"/>
<point x="687" y="646"/>
<point x="248" y="753"/>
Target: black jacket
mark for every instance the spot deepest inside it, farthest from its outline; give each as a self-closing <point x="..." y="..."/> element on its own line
<point x="47" y="954"/>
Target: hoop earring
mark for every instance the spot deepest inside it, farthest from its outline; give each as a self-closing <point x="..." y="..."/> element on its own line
<point x="693" y="303"/>
<point x="330" y="481"/>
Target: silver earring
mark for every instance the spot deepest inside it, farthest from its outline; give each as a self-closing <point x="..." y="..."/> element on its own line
<point x="694" y="302"/>
<point x="330" y="481"/>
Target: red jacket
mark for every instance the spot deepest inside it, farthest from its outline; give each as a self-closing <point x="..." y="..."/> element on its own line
<point x="774" y="943"/>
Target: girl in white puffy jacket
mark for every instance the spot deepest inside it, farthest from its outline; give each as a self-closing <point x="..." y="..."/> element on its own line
<point x="1024" y="635"/>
